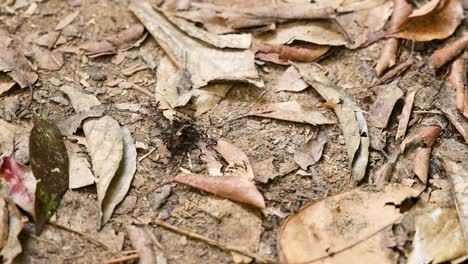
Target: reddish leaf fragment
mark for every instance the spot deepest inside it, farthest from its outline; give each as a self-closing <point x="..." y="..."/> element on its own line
<point x="443" y="55"/>
<point x="421" y="163"/>
<point x="231" y="187"/>
<point x="21" y="183"/>
<point x="281" y="54"/>
<point x="381" y="110"/>
<point x="424" y="137"/>
<point x="457" y="79"/>
<point x="49" y="162"/>
<point x="128" y="36"/>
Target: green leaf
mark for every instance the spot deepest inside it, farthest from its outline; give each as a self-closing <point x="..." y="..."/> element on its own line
<point x="49" y="162"/>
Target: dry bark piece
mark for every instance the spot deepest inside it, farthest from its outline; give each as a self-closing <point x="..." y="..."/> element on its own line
<point x="439" y="24"/>
<point x="396" y="71"/>
<point x="405" y="117"/>
<point x="446" y="53"/>
<point x="21" y="183"/>
<point x="197" y="61"/>
<point x="350" y="117"/>
<point x="311" y="152"/>
<point x="142" y="242"/>
<point x="291" y="80"/>
<point x="50" y="166"/>
<point x="15" y="64"/>
<point x="11" y="246"/>
<point x="120" y="183"/>
<point x="67" y="20"/>
<point x="291" y="111"/>
<point x="231" y="187"/>
<point x="238" y="161"/>
<point x="381" y="109"/>
<point x="401" y="12"/>
<point x="308" y="236"/>
<point x="80" y="170"/>
<point x="457" y="80"/>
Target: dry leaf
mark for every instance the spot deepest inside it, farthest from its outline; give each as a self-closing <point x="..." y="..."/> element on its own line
<point x="231" y="187"/>
<point x="6" y="83"/>
<point x="3" y="223"/>
<point x="401" y="12"/>
<point x="362" y="25"/>
<point x="282" y="54"/>
<point x="362" y="216"/>
<point x="48" y="40"/>
<point x="311" y="152"/>
<point x="67" y="20"/>
<point x="405" y="117"/>
<point x="79" y="100"/>
<point x="238" y="162"/>
<point x="457" y="80"/>
<point x="264" y="170"/>
<point x="80" y="170"/>
<point x="291" y="80"/>
<point x="349" y="5"/>
<point x="21" y="183"/>
<point x="381" y="109"/>
<point x="439" y="24"/>
<point x="350" y="117"/>
<point x="127" y="37"/>
<point x="120" y="183"/>
<point x="15" y="64"/>
<point x="7" y="136"/>
<point x="443" y="55"/>
<point x="11" y="247"/>
<point x="142" y="242"/>
<point x="49" y="60"/>
<point x="292" y="111"/>
<point x="426" y="8"/>
<point x="448" y="107"/>
<point x="198" y="62"/>
<point x="69" y="125"/>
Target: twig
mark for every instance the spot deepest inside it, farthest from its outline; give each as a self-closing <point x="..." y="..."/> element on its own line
<point x="143" y="90"/>
<point x="121" y="259"/>
<point x="435" y="112"/>
<point x="90" y="239"/>
<point x="343" y="31"/>
<point x="146" y="155"/>
<point x="212" y="242"/>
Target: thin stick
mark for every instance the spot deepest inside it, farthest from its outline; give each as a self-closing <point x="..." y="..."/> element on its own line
<point x="146" y="155"/>
<point x="142" y="90"/>
<point x="121" y="259"/>
<point x="212" y="242"/>
<point x="90" y="239"/>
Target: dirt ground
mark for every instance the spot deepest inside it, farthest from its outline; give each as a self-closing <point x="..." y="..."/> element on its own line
<point x="260" y="138"/>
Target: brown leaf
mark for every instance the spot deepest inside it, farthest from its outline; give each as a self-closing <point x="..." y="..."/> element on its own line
<point x="421" y="163"/>
<point x="48" y="40"/>
<point x="264" y="170"/>
<point x="49" y="60"/>
<point x="142" y="242"/>
<point x="292" y="111"/>
<point x="7" y="135"/>
<point x="448" y="107"/>
<point x="381" y="109"/>
<point x="80" y="170"/>
<point x="15" y="64"/>
<point x="291" y="80"/>
<point x="311" y="152"/>
<point x="443" y="55"/>
<point x="67" y="20"/>
<point x="426" y="8"/>
<point x="128" y="36"/>
<point x="401" y="12"/>
<point x="281" y="54"/>
<point x="231" y="187"/>
<point x="49" y="164"/>
<point x="310" y="235"/>
<point x="457" y="79"/>
<point x="69" y="125"/>
<point x="424" y="137"/>
<point x="239" y="163"/>
<point x="405" y="117"/>
<point x="439" y="24"/>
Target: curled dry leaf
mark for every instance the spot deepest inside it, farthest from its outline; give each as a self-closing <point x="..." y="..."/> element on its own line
<point x="199" y="62"/>
<point x="50" y="166"/>
<point x="238" y="161"/>
<point x="80" y="170"/>
<point x="282" y="54"/>
<point x="309" y="236"/>
<point x="439" y="24"/>
<point x="7" y="135"/>
<point x="120" y="184"/>
<point x="291" y="80"/>
<point x="401" y="11"/>
<point x="15" y="64"/>
<point x="231" y="187"/>
<point x="292" y="111"/>
<point x="142" y="242"/>
<point x="381" y="109"/>
<point x="405" y="117"/>
<point x="10" y="246"/>
<point x="128" y="38"/>
<point x="457" y="79"/>
<point x="21" y="183"/>
<point x="443" y="55"/>
<point x="311" y="152"/>
<point x="350" y="117"/>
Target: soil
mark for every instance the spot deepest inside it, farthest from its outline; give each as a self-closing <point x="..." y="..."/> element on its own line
<point x="175" y="144"/>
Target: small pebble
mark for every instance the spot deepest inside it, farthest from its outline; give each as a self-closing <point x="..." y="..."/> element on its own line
<point x="96" y="74"/>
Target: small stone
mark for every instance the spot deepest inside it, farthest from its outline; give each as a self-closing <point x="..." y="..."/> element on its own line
<point x="127" y="205"/>
<point x="59" y="99"/>
<point x="125" y="85"/>
<point x="164" y="214"/>
<point x="96" y="74"/>
<point x="135" y="118"/>
<point x="156" y="199"/>
<point x="56" y="82"/>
